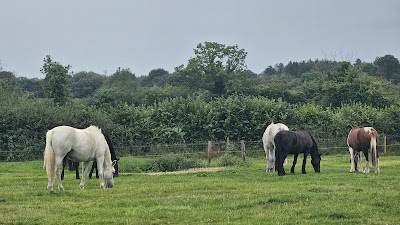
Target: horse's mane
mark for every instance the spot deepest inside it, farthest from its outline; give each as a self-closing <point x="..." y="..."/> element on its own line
<point x="110" y="146"/>
<point x="93" y="128"/>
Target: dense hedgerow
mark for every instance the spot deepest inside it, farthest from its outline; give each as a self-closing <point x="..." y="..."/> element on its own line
<point x="186" y="121"/>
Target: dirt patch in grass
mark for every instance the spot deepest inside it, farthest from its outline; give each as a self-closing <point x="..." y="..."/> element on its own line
<point x="193" y="170"/>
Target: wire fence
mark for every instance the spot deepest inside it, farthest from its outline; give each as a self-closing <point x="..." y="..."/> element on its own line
<point x="388" y="145"/>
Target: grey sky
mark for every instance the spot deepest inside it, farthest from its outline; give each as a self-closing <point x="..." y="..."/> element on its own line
<point x="100" y="35"/>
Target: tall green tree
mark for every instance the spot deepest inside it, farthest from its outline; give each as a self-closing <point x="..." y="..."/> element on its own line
<point x="57" y="80"/>
<point x="388" y="67"/>
<point x="215" y="68"/>
<point x="156" y="78"/>
<point x="85" y="84"/>
<point x="122" y="88"/>
<point x="124" y="79"/>
<point x="8" y="82"/>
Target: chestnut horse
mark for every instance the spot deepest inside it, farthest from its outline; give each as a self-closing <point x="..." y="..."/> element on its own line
<point x="364" y="139"/>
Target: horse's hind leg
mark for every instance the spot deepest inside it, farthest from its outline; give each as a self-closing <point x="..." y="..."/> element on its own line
<point x="94" y="165"/>
<point x="280" y="158"/>
<point x="84" y="172"/>
<point x="64" y="164"/>
<point x="366" y="170"/>
<point x="358" y="162"/>
<point x="271" y="160"/>
<point x="50" y="183"/>
<point x="76" y="166"/>
<point x="294" y="163"/>
<point x="352" y="164"/>
<point x="58" y="173"/>
<point x="377" y="170"/>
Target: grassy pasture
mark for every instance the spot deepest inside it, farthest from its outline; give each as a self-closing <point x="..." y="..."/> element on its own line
<point x="234" y="195"/>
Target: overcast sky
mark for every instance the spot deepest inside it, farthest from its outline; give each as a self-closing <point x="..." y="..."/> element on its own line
<point x="102" y="35"/>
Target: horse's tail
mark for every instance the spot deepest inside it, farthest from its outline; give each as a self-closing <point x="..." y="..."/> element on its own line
<point x="374" y="142"/>
<point x="278" y="145"/>
<point x="49" y="158"/>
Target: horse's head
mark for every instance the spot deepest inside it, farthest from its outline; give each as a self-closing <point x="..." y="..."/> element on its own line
<point x="316" y="163"/>
<point x="109" y="175"/>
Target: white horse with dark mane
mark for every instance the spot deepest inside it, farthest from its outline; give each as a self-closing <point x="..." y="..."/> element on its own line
<point x="269" y="144"/>
<point x="79" y="145"/>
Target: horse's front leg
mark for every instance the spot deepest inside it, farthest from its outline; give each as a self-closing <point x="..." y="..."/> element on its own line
<point x="303" y="167"/>
<point x="294" y="163"/>
<point x="100" y="170"/>
<point x="84" y="172"/>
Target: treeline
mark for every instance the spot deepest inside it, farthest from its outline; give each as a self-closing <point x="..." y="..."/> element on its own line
<point x="212" y="97"/>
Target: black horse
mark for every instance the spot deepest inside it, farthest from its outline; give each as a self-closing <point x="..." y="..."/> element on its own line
<point x="75" y="165"/>
<point x="296" y="142"/>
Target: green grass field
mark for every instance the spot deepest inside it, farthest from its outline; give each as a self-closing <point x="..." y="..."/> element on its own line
<point x="234" y="195"/>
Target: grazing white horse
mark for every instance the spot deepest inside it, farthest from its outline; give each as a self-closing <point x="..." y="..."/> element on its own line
<point x="79" y="145"/>
<point x="269" y="144"/>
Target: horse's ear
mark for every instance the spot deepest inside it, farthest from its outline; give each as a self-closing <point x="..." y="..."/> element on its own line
<point x="117" y="159"/>
<point x="114" y="162"/>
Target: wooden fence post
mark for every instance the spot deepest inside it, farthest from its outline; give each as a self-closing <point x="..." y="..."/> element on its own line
<point x="384" y="144"/>
<point x="243" y="147"/>
<point x="227" y="147"/>
<point x="209" y="151"/>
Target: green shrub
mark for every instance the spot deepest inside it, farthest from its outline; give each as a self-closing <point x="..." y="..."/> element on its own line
<point x="170" y="163"/>
<point x="230" y="160"/>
